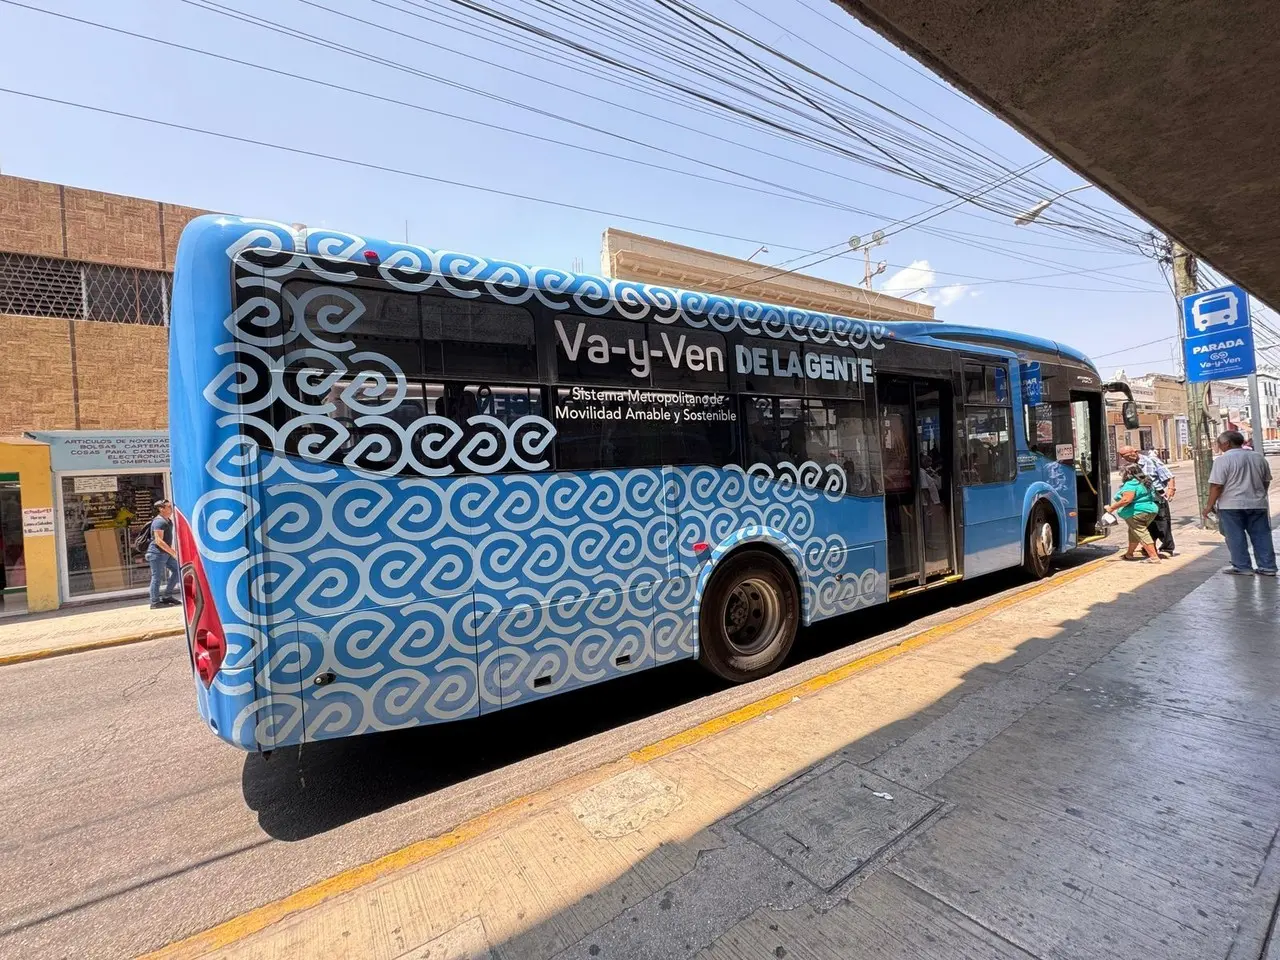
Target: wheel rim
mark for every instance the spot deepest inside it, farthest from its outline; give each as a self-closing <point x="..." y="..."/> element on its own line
<point x="752" y="615"/>
<point x="1042" y="542"/>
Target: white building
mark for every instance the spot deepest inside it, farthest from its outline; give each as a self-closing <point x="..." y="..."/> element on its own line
<point x="1268" y="394"/>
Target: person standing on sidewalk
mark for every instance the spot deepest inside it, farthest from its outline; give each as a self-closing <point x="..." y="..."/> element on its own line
<point x="1238" y="486"/>
<point x="1165" y="488"/>
<point x="1135" y="504"/>
<point x="163" y="558"/>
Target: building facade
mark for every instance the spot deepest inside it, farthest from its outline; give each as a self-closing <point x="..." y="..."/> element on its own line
<point x="633" y="256"/>
<point x="1269" y="397"/>
<point x="85" y="280"/>
<point x="1162" y="416"/>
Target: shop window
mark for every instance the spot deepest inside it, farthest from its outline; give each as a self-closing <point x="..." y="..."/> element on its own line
<point x="986" y="446"/>
<point x="785" y="434"/>
<point x="13" y="573"/>
<point x="101" y="517"/>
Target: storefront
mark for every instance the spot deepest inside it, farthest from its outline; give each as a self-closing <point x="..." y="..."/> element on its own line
<point x="105" y="487"/>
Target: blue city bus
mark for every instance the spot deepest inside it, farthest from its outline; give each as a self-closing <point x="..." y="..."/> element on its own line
<point x="416" y="486"/>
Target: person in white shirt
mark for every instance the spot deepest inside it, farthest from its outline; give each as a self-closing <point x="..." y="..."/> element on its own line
<point x="1238" y="485"/>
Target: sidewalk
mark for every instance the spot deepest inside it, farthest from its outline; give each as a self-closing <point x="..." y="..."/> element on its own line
<point x="78" y="628"/>
<point x="1087" y="769"/>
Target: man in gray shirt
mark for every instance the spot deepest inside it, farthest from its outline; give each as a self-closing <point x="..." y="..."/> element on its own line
<point x="1238" y="486"/>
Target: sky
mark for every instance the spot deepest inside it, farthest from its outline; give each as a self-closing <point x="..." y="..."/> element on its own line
<point x="439" y="101"/>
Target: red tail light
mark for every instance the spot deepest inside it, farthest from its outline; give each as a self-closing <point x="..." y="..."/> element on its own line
<point x="205" y="638"/>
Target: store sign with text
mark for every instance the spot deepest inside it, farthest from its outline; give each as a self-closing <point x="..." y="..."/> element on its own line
<point x="76" y="450"/>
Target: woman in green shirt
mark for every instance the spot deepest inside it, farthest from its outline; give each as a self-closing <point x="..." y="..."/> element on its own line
<point x="1136" y="505"/>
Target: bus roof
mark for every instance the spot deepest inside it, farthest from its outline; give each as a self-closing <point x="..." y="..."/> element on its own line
<point x="242" y="233"/>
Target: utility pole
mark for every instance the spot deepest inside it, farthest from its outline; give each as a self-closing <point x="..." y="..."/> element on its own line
<point x="1184" y="285"/>
<point x="877" y="240"/>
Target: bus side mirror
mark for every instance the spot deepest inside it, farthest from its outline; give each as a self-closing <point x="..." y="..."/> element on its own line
<point x="1129" y="411"/>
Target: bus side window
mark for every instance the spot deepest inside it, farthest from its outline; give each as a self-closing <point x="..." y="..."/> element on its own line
<point x="477" y="338"/>
<point x="483" y="447"/>
<point x="790" y="435"/>
<point x="385" y="326"/>
<point x="987" y="446"/>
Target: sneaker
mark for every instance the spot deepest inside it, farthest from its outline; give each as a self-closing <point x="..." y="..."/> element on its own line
<point x="1265" y="573"/>
<point x="159" y="605"/>
<point x="1236" y="572"/>
<point x="1166" y="554"/>
<point x="170" y="602"/>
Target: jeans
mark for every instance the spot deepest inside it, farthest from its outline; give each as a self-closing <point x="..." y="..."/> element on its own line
<point x="161" y="563"/>
<point x="1242" y="527"/>
<point x="1162" y="527"/>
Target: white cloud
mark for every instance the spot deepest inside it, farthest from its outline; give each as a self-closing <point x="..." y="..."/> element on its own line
<point x="908" y="279"/>
<point x="908" y="282"/>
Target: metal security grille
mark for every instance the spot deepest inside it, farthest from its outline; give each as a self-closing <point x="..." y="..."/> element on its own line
<point x="48" y="287"/>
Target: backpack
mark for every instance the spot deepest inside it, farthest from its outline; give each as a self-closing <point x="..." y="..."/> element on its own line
<point x="143" y="540"/>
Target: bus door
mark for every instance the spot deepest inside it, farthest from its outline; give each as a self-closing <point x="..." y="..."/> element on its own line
<point x="916" y="434"/>
<point x="1087" y="437"/>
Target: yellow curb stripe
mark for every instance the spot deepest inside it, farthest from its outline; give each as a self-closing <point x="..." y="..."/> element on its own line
<point x="29" y="655"/>
<point x="247" y="924"/>
<point x="760" y="707"/>
<point x="253" y="921"/>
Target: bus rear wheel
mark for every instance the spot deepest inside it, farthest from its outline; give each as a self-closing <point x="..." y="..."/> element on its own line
<point x="1038" y="550"/>
<point x="750" y="613"/>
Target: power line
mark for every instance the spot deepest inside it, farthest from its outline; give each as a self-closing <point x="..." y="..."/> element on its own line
<point x="415" y="106"/>
<point x="1147" y="343"/>
<point x="368" y="165"/>
<point x="807" y="138"/>
<point x="795" y="195"/>
<point x="415" y="174"/>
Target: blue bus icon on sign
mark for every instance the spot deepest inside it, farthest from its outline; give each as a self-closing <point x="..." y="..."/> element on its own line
<point x="1215" y="312"/>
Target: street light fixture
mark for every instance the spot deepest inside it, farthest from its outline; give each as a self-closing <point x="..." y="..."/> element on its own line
<point x="761" y="250"/>
<point x="1029" y="216"/>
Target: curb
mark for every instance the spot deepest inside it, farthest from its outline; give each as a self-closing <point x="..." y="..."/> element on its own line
<point x="48" y="653"/>
<point x="223" y="936"/>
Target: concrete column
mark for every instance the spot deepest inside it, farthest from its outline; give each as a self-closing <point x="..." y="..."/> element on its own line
<point x="29" y="459"/>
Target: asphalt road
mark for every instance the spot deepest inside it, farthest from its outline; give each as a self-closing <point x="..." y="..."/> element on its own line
<point x="127" y="825"/>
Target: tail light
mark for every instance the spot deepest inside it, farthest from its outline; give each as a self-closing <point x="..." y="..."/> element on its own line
<point x="206" y="641"/>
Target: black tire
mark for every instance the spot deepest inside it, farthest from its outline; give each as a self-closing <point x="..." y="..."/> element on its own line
<point x="1040" y="542"/>
<point x="750" y="613"/>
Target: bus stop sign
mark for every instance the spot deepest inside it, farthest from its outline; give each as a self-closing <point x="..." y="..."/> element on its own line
<point x="1217" y="338"/>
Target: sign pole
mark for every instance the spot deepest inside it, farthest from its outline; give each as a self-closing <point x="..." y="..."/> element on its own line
<point x="1184" y="285"/>
<point x="1257" y="425"/>
<point x="1217" y="344"/>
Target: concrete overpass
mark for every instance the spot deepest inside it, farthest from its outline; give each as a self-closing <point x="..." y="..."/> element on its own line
<point x="1173" y="106"/>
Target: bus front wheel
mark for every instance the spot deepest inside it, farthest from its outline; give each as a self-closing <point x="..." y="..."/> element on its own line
<point x="1038" y="550"/>
<point x="750" y="613"/>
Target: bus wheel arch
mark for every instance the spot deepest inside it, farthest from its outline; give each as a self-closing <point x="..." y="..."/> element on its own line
<point x="1042" y="538"/>
<point x="749" y="613"/>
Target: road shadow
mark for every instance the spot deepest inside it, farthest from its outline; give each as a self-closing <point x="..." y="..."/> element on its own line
<point x="300" y="792"/>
